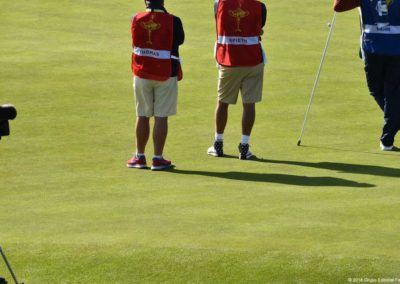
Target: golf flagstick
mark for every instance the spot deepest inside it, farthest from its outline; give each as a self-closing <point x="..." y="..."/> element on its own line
<point x="332" y="25"/>
<point x="9" y="266"/>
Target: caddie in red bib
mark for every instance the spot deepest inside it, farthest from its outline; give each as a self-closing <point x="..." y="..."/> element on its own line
<point x="156" y="37"/>
<point x="240" y="59"/>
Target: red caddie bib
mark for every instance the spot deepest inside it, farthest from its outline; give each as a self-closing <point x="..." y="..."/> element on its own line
<point x="152" y="39"/>
<point x="239" y="26"/>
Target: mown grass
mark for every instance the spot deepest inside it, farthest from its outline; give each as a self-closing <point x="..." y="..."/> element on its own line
<point x="72" y="213"/>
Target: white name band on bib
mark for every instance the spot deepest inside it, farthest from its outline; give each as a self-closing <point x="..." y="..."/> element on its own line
<point x="237" y="40"/>
<point x="159" y="54"/>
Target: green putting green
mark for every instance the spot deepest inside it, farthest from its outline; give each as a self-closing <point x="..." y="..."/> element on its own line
<point x="71" y="212"/>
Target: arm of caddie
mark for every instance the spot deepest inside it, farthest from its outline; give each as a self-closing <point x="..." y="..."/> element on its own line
<point x="345" y="5"/>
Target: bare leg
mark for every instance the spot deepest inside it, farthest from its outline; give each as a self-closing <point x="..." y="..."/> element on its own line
<point x="160" y="132"/>
<point x="221" y="117"/>
<point x="142" y="133"/>
<point x="248" y="118"/>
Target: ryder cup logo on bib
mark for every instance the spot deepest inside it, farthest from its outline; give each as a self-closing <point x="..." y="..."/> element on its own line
<point x="239" y="13"/>
<point x="150" y="26"/>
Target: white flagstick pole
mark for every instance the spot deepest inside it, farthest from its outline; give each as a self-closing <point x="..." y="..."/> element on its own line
<point x="331" y="25"/>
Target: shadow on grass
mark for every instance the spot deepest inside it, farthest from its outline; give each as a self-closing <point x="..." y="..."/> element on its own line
<point x="341" y="167"/>
<point x="387" y="153"/>
<point x="277" y="178"/>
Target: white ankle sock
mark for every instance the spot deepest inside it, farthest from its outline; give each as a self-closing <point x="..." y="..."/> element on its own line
<point x="219" y="136"/>
<point x="245" y="139"/>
